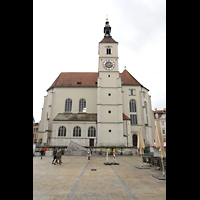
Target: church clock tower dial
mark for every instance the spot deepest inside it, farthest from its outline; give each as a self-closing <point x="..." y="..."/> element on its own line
<point x="108" y="64"/>
<point x="109" y="97"/>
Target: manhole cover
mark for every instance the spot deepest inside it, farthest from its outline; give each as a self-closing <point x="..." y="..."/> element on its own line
<point x="93" y="169"/>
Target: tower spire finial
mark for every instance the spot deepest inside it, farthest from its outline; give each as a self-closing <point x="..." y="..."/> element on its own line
<point x="107" y="17"/>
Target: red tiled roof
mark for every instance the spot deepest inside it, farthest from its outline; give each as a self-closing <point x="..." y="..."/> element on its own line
<point x="88" y="79"/>
<point x="125" y="117"/>
<point x="159" y="112"/>
<point x="108" y="40"/>
<point x="76" y="79"/>
<point x="128" y="79"/>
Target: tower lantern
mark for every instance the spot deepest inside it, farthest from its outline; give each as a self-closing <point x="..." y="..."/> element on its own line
<point x="107" y="29"/>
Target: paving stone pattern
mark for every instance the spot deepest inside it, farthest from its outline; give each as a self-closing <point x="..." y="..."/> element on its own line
<point x="74" y="179"/>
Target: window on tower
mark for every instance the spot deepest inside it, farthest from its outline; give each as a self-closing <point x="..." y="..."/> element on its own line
<point x="108" y="50"/>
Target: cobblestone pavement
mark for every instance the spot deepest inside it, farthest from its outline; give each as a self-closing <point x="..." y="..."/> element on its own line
<point x="75" y="180"/>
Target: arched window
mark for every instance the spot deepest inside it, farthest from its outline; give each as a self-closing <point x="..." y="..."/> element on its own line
<point x="68" y="105"/>
<point x="133" y="111"/>
<point x="91" y="131"/>
<point x="77" y="131"/>
<point x="62" y="131"/>
<point x="82" y="105"/>
<point x="108" y="50"/>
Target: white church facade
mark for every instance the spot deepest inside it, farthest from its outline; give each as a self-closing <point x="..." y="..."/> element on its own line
<point x="102" y="109"/>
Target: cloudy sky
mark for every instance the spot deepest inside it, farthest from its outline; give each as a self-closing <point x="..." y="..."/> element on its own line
<point x="66" y="34"/>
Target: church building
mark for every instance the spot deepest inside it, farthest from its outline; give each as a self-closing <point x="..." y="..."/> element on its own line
<point x="104" y="108"/>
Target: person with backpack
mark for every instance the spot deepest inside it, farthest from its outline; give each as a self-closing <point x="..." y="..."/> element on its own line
<point x="58" y="155"/>
<point x="88" y="154"/>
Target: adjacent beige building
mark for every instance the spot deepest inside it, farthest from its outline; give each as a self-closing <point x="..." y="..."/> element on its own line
<point x="161" y="116"/>
<point x="104" y="108"/>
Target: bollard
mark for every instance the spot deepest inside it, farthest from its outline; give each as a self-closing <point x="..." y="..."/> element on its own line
<point x="107" y="155"/>
<point x="114" y="155"/>
<point x="112" y="163"/>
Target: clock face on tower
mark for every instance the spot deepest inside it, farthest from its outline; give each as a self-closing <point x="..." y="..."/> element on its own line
<point x="108" y="64"/>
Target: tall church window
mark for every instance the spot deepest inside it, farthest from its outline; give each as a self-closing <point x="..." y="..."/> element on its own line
<point x="133" y="119"/>
<point x="132" y="105"/>
<point x="133" y="111"/>
<point x="62" y="131"/>
<point x="68" y="105"/>
<point x="77" y="131"/>
<point x="82" y="105"/>
<point x="91" y="131"/>
<point x="145" y="112"/>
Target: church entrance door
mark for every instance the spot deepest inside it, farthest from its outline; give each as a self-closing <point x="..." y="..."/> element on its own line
<point x="134" y="140"/>
<point x="91" y="142"/>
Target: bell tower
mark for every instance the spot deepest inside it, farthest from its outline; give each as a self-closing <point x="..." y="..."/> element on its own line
<point x="108" y="51"/>
<point x="109" y="97"/>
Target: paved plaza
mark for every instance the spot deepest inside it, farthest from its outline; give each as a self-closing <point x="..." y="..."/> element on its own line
<point x="75" y="180"/>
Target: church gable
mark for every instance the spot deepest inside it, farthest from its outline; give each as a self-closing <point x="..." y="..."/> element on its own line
<point x="128" y="79"/>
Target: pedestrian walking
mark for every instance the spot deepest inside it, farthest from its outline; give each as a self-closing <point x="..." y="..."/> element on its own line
<point x="41" y="152"/>
<point x="61" y="156"/>
<point x="54" y="161"/>
<point x="88" y="154"/>
<point x="58" y="155"/>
